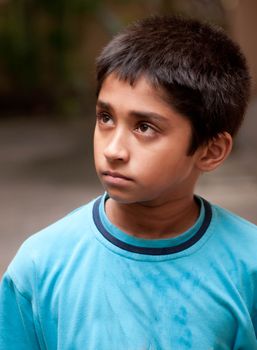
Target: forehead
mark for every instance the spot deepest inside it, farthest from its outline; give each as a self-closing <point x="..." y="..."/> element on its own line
<point x="141" y="93"/>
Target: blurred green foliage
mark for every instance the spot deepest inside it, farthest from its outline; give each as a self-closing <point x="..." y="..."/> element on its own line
<point x="38" y="39"/>
<point x="47" y="48"/>
<point x="21" y="29"/>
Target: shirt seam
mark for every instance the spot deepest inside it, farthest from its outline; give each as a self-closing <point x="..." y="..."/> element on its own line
<point x="12" y="280"/>
<point x="38" y="330"/>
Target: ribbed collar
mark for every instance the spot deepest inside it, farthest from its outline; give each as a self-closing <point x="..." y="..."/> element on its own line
<point x="152" y="247"/>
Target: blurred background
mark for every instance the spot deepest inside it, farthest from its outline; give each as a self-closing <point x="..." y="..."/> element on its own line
<point x="47" y="100"/>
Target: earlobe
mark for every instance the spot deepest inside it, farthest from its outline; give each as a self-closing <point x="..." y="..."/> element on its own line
<point x="215" y="152"/>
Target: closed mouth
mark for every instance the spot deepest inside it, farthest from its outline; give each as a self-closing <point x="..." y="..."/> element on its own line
<point x="116" y="175"/>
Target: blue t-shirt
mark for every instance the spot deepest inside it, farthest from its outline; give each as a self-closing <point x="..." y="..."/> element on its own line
<point x="81" y="283"/>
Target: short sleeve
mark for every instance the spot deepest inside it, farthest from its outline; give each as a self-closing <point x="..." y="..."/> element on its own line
<point x="17" y="330"/>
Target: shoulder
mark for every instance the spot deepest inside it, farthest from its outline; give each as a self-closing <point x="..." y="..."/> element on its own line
<point x="232" y="222"/>
<point x="50" y="248"/>
<point x="235" y="234"/>
<point x="234" y="246"/>
<point x="64" y="232"/>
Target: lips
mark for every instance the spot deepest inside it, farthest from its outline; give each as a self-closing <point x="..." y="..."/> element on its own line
<point x="115" y="175"/>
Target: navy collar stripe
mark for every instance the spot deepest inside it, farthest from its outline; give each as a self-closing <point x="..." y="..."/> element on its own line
<point x="147" y="250"/>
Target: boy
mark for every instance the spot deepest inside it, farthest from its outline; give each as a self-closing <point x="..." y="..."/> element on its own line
<point x="148" y="265"/>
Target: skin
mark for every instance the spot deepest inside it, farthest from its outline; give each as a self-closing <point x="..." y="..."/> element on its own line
<point x="140" y="150"/>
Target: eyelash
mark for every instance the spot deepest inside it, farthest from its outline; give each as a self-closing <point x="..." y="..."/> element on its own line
<point x="100" y="118"/>
<point x="149" y="126"/>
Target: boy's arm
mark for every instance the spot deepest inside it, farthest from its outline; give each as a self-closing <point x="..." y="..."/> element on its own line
<point x="17" y="329"/>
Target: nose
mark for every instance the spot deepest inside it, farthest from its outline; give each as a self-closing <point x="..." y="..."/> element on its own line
<point x="117" y="147"/>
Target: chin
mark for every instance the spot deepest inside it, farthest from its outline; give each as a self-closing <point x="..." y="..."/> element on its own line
<point x="123" y="198"/>
<point x="127" y="197"/>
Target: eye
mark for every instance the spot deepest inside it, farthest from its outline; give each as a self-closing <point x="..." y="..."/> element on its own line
<point x="146" y="129"/>
<point x="104" y="118"/>
<point x="143" y="127"/>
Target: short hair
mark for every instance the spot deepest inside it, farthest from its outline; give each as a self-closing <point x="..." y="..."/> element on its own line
<point x="202" y="72"/>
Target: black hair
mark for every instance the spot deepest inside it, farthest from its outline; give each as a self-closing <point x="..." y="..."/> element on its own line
<point x="202" y="72"/>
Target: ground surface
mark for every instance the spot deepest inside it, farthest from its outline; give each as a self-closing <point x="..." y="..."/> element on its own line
<point x="46" y="171"/>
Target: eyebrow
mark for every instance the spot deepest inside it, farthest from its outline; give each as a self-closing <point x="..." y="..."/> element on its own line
<point x="103" y="104"/>
<point x="151" y="116"/>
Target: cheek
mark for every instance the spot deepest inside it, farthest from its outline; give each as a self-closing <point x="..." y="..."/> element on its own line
<point x="157" y="159"/>
<point x="98" y="140"/>
<point x="97" y="146"/>
<point x="162" y="168"/>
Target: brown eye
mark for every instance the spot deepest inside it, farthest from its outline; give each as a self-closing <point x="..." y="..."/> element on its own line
<point x="146" y="129"/>
<point x="105" y="118"/>
<point x="143" y="127"/>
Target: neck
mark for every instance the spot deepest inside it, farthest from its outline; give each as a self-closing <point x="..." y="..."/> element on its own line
<point x="166" y="220"/>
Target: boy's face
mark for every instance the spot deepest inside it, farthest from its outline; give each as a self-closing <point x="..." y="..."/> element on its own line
<point x="141" y="144"/>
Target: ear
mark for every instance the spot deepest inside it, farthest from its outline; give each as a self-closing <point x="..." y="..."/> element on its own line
<point x="215" y="152"/>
